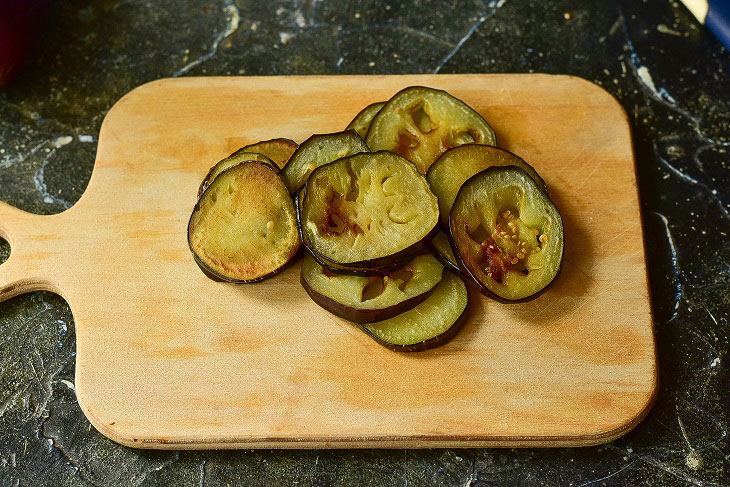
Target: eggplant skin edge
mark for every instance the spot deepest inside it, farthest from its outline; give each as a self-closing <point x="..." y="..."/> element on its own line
<point x="446" y="262"/>
<point x="441" y="258"/>
<point x="434" y="342"/>
<point x="471" y="278"/>
<point x="369" y="268"/>
<point x="305" y="145"/>
<point x="216" y="276"/>
<point x="365" y="315"/>
<point x="207" y="180"/>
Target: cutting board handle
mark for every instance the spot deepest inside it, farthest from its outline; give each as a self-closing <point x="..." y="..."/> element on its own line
<point x="16" y="276"/>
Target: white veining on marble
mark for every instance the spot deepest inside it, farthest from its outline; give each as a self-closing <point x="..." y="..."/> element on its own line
<point x="675" y="266"/>
<point x="40" y="183"/>
<point x="461" y="42"/>
<point x="233" y="19"/>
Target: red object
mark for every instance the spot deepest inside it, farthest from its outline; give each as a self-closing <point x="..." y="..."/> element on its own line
<point x="21" y="23"/>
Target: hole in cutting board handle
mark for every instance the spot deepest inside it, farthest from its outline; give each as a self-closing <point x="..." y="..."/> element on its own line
<point x="4" y="250"/>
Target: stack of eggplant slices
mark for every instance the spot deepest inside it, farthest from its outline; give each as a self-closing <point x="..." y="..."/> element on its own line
<point x="412" y="186"/>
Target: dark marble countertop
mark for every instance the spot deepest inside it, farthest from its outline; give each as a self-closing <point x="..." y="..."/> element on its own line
<point x="672" y="77"/>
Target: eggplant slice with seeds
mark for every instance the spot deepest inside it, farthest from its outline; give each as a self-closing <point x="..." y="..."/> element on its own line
<point x="278" y="150"/>
<point x="507" y="234"/>
<point x="243" y="228"/>
<point x="432" y="323"/>
<point x="456" y="165"/>
<point x="367" y="212"/>
<point x="441" y="247"/>
<point x="318" y="150"/>
<point x="422" y="123"/>
<point x="361" y="122"/>
<point x="234" y="159"/>
<point x="376" y="298"/>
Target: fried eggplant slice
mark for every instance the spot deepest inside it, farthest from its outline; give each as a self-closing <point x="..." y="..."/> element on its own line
<point x="422" y="123"/>
<point x="430" y="324"/>
<point x="318" y="150"/>
<point x="456" y="165"/>
<point x="370" y="211"/>
<point x="361" y="122"/>
<point x="236" y="158"/>
<point x="507" y="234"/>
<point x="243" y="229"/>
<point x="278" y="150"/>
<point x="442" y="250"/>
<point x="376" y="298"/>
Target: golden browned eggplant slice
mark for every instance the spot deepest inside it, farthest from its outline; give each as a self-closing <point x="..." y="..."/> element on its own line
<point x="236" y="158"/>
<point x="456" y="165"/>
<point x="318" y="150"/>
<point x="367" y="299"/>
<point x="507" y="234"/>
<point x="430" y="324"/>
<point x="243" y="228"/>
<point x="367" y="212"/>
<point x="422" y="123"/>
<point x="278" y="150"/>
<point x="361" y="122"/>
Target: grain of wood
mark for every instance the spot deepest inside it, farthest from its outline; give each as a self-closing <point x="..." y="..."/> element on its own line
<point x="169" y="359"/>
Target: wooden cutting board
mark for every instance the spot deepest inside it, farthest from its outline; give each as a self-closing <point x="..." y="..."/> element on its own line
<point x="167" y="358"/>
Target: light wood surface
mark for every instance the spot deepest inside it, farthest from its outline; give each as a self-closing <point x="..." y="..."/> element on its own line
<point x="167" y="358"/>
